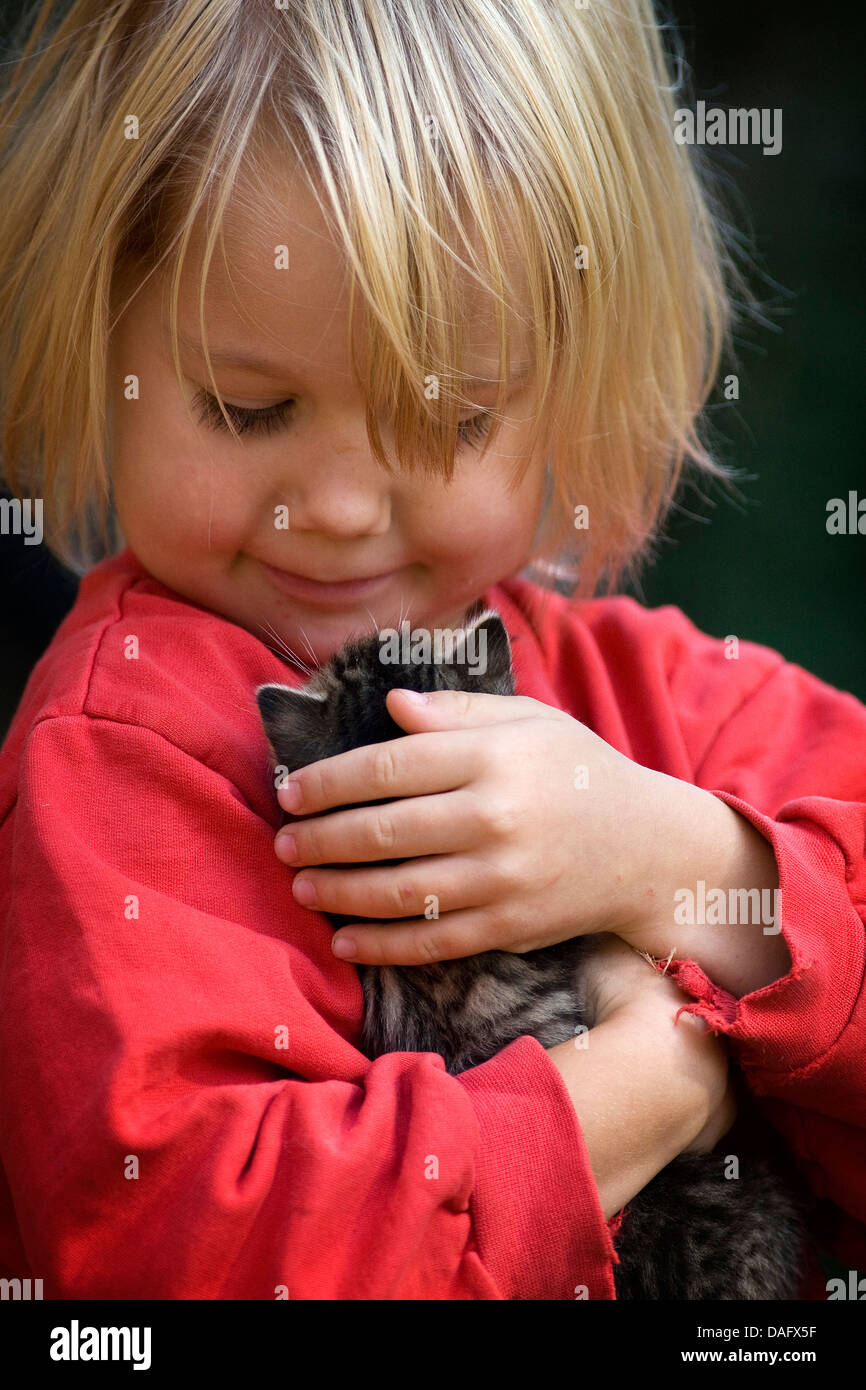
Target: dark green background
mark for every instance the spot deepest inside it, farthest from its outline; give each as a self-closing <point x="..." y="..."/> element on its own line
<point x="764" y="569"/>
<point x="767" y="569"/>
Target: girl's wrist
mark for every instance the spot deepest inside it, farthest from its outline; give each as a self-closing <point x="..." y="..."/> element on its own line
<point x="691" y="1064"/>
<point x="706" y="852"/>
<point x="643" y="1090"/>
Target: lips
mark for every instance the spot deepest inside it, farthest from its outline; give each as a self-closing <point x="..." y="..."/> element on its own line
<point x="330" y="592"/>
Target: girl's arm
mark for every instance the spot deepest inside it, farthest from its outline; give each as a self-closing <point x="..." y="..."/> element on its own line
<point x="646" y="1088"/>
<point x="186" y="1113"/>
<point x="781" y="759"/>
<point x="779" y="805"/>
<point x="712" y="843"/>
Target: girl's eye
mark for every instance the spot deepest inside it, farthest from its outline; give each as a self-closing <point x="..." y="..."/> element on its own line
<point x="474" y="430"/>
<point x="243" y="419"/>
<point x="273" y="417"/>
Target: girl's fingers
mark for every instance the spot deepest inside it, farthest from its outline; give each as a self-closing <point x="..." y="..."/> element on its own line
<point x="419" y="942"/>
<point x="416" y="766"/>
<point x="444" y="752"/>
<point x="460" y="709"/>
<point x="436" y="885"/>
<point x="403" y="829"/>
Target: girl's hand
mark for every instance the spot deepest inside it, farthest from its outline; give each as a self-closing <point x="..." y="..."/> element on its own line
<point x="646" y="1086"/>
<point x="619" y="980"/>
<point x="614" y="977"/>
<point x="521" y="828"/>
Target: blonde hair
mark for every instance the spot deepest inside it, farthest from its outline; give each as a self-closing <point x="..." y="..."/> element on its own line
<point x="420" y="127"/>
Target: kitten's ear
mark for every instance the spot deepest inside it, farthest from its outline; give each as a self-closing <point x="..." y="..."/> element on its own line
<point x="490" y="630"/>
<point x="295" y="722"/>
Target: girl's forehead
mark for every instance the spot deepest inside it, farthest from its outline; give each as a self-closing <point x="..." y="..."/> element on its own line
<point x="280" y="275"/>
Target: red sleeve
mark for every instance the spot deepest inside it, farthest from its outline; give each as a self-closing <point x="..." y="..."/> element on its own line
<point x="791" y="758"/>
<point x="186" y="1112"/>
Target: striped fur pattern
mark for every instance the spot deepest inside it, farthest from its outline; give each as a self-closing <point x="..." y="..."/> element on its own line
<point x="692" y="1233"/>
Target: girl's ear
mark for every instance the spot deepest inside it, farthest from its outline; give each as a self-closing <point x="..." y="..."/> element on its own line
<point x="490" y="634"/>
<point x="295" y="722"/>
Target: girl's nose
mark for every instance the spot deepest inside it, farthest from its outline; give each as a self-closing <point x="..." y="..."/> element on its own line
<point x="345" y="496"/>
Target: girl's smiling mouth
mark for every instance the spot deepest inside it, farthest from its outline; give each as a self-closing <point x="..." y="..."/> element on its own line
<point x="328" y="593"/>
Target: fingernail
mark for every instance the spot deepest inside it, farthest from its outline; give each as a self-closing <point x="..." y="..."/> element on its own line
<point x="416" y="697"/>
<point x="305" y="891"/>
<point x="343" y="946"/>
<point x="285" y="846"/>
<point x="290" y="796"/>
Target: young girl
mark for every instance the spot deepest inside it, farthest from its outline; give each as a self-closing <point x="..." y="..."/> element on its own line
<point x="328" y="316"/>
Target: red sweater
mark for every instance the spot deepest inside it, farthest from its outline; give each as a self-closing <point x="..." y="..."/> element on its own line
<point x="185" y="1109"/>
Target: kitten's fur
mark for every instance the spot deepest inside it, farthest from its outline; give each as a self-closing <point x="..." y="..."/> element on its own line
<point x="691" y="1233"/>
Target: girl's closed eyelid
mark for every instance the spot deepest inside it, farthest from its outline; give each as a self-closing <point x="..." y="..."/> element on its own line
<point x="273" y="417"/>
<point x="245" y="420"/>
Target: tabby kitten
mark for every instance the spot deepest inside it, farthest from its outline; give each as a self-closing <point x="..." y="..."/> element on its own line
<point x="691" y="1233"/>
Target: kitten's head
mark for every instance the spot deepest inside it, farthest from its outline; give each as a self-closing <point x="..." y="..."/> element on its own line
<point x="343" y="705"/>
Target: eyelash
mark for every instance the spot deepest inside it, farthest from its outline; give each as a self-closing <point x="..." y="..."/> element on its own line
<point x="470" y="431"/>
<point x="244" y="421"/>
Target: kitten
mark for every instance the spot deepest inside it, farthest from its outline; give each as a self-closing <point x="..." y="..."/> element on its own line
<point x="691" y="1233"/>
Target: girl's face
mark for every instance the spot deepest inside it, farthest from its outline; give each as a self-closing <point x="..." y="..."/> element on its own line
<point x="205" y="513"/>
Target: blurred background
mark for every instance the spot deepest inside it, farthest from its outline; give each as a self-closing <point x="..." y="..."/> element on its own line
<point x="764" y="568"/>
<point x="767" y="569"/>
